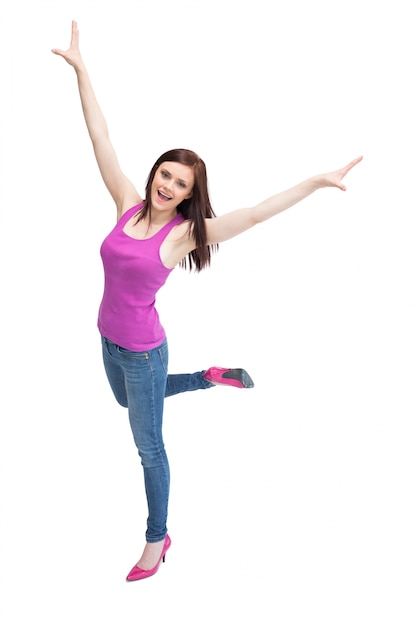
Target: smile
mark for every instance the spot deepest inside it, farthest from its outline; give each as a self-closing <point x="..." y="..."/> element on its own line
<point x="164" y="197"/>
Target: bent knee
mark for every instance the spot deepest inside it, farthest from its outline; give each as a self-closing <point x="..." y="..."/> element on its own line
<point x="121" y="399"/>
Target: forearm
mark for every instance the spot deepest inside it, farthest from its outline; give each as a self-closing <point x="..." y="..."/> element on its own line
<point x="236" y="222"/>
<point x="93" y="115"/>
<point x="285" y="199"/>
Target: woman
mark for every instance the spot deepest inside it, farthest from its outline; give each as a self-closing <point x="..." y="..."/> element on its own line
<point x="174" y="224"/>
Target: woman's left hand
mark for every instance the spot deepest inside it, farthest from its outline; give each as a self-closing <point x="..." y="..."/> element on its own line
<point x="334" y="179"/>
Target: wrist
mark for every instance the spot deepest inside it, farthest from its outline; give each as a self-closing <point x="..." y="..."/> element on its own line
<point x="79" y="67"/>
<point x="316" y="182"/>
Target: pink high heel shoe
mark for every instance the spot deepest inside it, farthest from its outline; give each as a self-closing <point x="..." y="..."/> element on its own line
<point x="234" y="377"/>
<point x="136" y="573"/>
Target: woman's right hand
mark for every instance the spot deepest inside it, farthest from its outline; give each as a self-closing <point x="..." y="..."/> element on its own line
<point x="121" y="189"/>
<point x="72" y="55"/>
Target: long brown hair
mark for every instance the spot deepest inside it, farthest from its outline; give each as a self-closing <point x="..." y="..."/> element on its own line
<point x="196" y="209"/>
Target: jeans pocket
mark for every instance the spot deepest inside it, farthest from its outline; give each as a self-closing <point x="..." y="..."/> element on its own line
<point x="130" y="354"/>
<point x="163" y="355"/>
<point x="105" y="346"/>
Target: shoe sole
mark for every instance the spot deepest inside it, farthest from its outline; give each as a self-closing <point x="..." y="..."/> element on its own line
<point x="240" y="375"/>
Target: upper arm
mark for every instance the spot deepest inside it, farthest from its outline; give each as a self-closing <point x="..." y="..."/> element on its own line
<point x="229" y="225"/>
<point x="181" y="242"/>
<point x="119" y="186"/>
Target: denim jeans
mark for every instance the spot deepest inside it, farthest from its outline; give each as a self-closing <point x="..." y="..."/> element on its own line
<point x="140" y="382"/>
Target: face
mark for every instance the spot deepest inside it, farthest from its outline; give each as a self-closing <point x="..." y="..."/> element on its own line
<point x="173" y="183"/>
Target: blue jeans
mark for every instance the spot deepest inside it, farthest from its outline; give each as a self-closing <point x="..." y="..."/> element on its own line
<point x="140" y="382"/>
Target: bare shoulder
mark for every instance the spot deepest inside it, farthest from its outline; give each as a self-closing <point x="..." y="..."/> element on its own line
<point x="180" y="231"/>
<point x="178" y="243"/>
<point x="129" y="201"/>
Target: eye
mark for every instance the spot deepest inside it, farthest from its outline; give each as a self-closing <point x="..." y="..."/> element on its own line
<point x="181" y="184"/>
<point x="164" y="174"/>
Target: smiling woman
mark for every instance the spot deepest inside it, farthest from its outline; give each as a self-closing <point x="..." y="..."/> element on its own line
<point x="177" y="183"/>
<point x="174" y="224"/>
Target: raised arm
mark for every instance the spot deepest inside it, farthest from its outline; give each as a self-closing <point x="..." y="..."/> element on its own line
<point x="121" y="189"/>
<point x="231" y="224"/>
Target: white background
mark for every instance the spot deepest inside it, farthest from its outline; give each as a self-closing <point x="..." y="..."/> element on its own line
<point x="293" y="503"/>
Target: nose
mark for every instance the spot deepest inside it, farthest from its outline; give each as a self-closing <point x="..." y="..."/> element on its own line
<point x="167" y="184"/>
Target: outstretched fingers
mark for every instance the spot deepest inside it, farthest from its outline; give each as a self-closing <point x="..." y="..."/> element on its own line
<point x="348" y="167"/>
<point x="72" y="55"/>
<point x="75" y="34"/>
<point x="344" y="170"/>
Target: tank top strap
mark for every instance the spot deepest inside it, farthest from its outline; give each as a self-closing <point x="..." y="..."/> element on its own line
<point x="128" y="214"/>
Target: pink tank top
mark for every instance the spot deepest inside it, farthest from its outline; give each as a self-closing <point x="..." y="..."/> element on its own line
<point x="133" y="274"/>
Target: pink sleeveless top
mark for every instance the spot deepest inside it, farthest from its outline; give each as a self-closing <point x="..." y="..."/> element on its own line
<point x="133" y="274"/>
